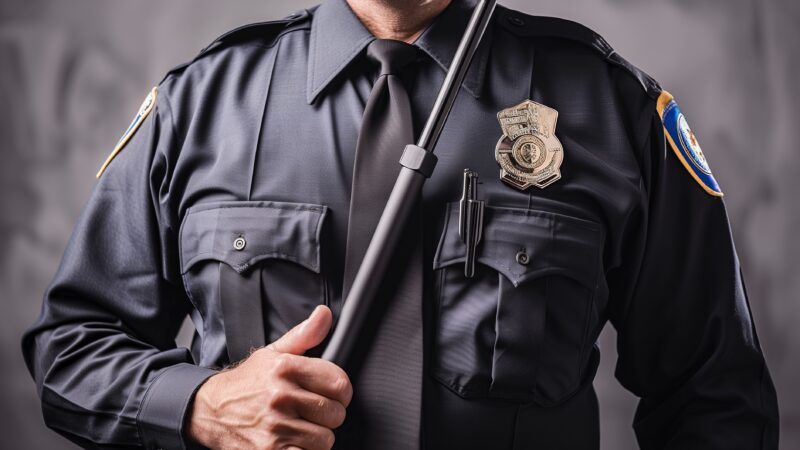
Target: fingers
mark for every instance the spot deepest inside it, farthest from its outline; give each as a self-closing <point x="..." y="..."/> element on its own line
<point x="297" y="433"/>
<point x="320" y="410"/>
<point x="323" y="378"/>
<point x="311" y="374"/>
<point x="307" y="334"/>
<point x="322" y="390"/>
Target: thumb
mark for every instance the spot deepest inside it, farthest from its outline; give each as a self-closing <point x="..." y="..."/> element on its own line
<point x="307" y="334"/>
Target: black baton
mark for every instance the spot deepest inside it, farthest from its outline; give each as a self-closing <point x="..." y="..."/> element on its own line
<point x="417" y="163"/>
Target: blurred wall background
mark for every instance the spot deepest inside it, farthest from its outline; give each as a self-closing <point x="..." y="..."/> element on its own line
<point x="73" y="73"/>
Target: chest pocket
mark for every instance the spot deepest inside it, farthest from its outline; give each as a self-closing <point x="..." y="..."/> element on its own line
<point x="518" y="329"/>
<point x="252" y="270"/>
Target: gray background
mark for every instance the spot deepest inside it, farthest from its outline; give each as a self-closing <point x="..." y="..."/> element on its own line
<point x="72" y="73"/>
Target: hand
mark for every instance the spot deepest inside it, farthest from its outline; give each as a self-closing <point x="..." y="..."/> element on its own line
<point x="276" y="398"/>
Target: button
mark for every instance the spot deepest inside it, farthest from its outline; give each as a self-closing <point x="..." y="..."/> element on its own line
<point x="523" y="258"/>
<point x="239" y="243"/>
<point x="516" y="21"/>
<point x="297" y="15"/>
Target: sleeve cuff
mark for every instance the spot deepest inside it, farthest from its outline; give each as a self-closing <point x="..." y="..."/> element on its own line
<point x="165" y="404"/>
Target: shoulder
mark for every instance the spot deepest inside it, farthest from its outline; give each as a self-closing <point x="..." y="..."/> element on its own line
<point x="571" y="36"/>
<point x="227" y="78"/>
<point x="244" y="39"/>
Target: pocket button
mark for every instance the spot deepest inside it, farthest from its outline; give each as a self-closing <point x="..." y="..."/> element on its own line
<point x="239" y="243"/>
<point x="522" y="257"/>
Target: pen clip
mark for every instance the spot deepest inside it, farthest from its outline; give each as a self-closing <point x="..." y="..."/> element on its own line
<point x="470" y="220"/>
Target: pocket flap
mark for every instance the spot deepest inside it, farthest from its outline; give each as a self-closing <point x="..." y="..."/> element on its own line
<point x="242" y="233"/>
<point x="554" y="244"/>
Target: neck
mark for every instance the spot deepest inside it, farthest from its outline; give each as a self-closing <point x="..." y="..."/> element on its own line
<point x="402" y="20"/>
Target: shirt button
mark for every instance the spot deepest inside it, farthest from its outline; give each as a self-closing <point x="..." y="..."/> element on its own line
<point x="239" y="243"/>
<point x="523" y="258"/>
<point x="516" y="21"/>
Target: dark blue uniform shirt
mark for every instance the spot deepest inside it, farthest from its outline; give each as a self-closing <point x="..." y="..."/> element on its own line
<point x="255" y="139"/>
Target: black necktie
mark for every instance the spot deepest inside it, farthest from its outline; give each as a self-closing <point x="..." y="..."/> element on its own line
<point x="388" y="386"/>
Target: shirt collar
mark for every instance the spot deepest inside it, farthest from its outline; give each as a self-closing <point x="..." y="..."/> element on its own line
<point x="338" y="37"/>
<point x="442" y="37"/>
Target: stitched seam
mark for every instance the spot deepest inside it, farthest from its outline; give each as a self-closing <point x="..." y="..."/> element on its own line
<point x="318" y="237"/>
<point x="442" y="238"/>
<point x="268" y="205"/>
<point x="578" y="221"/>
<point x="180" y="248"/>
<point x="260" y="133"/>
<point x="255" y="259"/>
<point x="313" y="56"/>
<point x="188" y="293"/>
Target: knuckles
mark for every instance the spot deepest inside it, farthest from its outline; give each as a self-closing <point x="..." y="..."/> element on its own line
<point x="281" y="365"/>
<point x="272" y="426"/>
<point x="342" y="388"/>
<point x="279" y="399"/>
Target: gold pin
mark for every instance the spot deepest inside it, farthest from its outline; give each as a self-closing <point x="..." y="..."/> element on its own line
<point x="529" y="153"/>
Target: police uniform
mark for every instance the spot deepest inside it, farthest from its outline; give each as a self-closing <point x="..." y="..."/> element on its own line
<point x="232" y="185"/>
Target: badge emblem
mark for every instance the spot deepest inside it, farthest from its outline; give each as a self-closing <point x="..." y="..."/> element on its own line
<point x="684" y="144"/>
<point x="529" y="153"/>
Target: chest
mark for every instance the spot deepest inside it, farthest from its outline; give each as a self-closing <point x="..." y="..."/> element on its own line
<point x="271" y="202"/>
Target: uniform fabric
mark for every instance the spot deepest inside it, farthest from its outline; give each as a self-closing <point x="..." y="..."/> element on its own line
<point x="257" y="138"/>
<point x="388" y="387"/>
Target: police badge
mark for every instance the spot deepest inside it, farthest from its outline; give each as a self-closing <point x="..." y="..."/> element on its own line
<point x="529" y="153"/>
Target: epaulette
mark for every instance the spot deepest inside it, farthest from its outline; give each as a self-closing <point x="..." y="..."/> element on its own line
<point x="261" y="31"/>
<point x="525" y="25"/>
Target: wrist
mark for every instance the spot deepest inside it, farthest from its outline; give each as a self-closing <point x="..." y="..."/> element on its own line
<point x="200" y="418"/>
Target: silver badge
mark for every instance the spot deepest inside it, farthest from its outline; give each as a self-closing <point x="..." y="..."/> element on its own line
<point x="529" y="153"/>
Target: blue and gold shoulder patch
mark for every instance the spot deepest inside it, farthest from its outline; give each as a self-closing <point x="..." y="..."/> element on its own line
<point x="147" y="106"/>
<point x="684" y="144"/>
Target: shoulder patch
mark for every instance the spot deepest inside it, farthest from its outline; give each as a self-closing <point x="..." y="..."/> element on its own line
<point x="685" y="145"/>
<point x="144" y="110"/>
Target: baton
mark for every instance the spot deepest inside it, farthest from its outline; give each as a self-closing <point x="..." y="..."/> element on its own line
<point x="417" y="165"/>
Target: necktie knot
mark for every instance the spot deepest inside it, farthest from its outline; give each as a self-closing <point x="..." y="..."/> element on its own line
<point x="392" y="55"/>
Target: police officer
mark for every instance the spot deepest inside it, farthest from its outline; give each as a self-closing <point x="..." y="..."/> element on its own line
<point x="231" y="198"/>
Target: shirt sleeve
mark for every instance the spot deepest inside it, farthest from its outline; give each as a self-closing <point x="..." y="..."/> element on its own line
<point x="103" y="350"/>
<point x="686" y="340"/>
